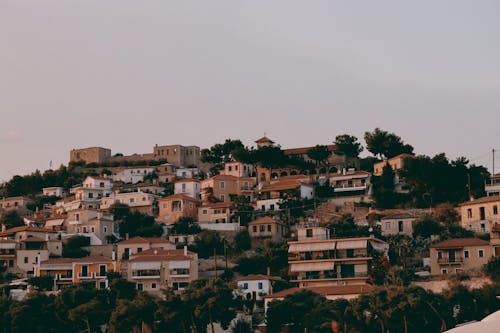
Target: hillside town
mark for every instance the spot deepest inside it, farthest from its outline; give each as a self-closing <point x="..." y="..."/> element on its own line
<point x="251" y="239"/>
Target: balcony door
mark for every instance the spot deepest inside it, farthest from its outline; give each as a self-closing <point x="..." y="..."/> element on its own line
<point x="451" y="256"/>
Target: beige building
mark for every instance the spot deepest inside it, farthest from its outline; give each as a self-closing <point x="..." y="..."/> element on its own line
<point x="223" y="188"/>
<point x="458" y="255"/>
<point x="90" y="155"/>
<point x="350" y="182"/>
<point x="396" y="163"/>
<point x="127" y="248"/>
<point x="219" y="212"/>
<point x="315" y="259"/>
<point x="173" y="207"/>
<point x="398" y="224"/>
<point x="266" y="227"/>
<point x="495" y="239"/>
<point x="154" y="270"/>
<point x="137" y="201"/>
<point x="15" y="203"/>
<point x="479" y="214"/>
<point x="178" y="155"/>
<point x="238" y="169"/>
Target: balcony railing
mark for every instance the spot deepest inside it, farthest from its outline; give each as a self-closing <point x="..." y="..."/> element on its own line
<point x="456" y="260"/>
<point x="331" y="276"/>
<point x="86" y="276"/>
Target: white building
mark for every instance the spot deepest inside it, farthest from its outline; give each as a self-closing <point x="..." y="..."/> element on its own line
<point x="186" y="172"/>
<point x="137" y="201"/>
<point x="133" y="175"/>
<point x="256" y="286"/>
<point x="53" y="191"/>
<point x="190" y="187"/>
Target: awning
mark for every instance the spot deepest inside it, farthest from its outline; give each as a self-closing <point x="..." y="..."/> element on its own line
<point x="309" y="247"/>
<point x="54" y="223"/>
<point x="146" y="265"/>
<point x="312" y="266"/>
<point x="179" y="264"/>
<point x="351" y="244"/>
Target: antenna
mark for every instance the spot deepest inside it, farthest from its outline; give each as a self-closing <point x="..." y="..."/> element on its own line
<point x="493" y="171"/>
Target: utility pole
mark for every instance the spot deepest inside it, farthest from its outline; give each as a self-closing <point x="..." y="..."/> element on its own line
<point x="493" y="171"/>
<point x="215" y="261"/>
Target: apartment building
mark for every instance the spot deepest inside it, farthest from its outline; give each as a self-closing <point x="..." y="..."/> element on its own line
<point x="188" y="186"/>
<point x="478" y="215"/>
<point x="137" y="201"/>
<point x="225" y="187"/>
<point x="458" y="255"/>
<point x="175" y="206"/>
<point x="266" y="227"/>
<point x="129" y="247"/>
<point x="132" y="175"/>
<point x="350" y="182"/>
<point x="315" y="259"/>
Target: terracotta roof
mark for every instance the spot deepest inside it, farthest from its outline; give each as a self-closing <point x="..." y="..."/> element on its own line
<point x="282" y="186"/>
<point x="218" y="205"/>
<point x="304" y="150"/>
<point x="178" y="196"/>
<point x="93" y="259"/>
<point x="99" y="178"/>
<point x="264" y="139"/>
<point x="57" y="261"/>
<point x="494" y="198"/>
<point x="161" y="254"/>
<point x="187" y="180"/>
<point x="326" y="290"/>
<point x="138" y="239"/>
<point x="264" y="220"/>
<point x="398" y="216"/>
<point x="8" y="241"/>
<point x="254" y="277"/>
<point x="459" y="243"/>
<point x="24" y="228"/>
<point x="350" y="173"/>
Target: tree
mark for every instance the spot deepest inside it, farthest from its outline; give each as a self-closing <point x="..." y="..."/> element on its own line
<point x="130" y="315"/>
<point x="270" y="157"/>
<point x="73" y="247"/>
<point x="186" y="226"/>
<point x="492" y="269"/>
<point x="119" y="210"/>
<point x="242" y="326"/>
<point x="42" y="282"/>
<point x="172" y="315"/>
<point x="427" y="227"/>
<point x="348" y="145"/>
<point x="219" y="153"/>
<point x="344" y="226"/>
<point x="206" y="242"/>
<point x="242" y="210"/>
<point x="137" y="224"/>
<point x="319" y="154"/>
<point x="446" y="213"/>
<point x="242" y="241"/>
<point x="384" y="194"/>
<point x="384" y="144"/>
<point x="11" y="219"/>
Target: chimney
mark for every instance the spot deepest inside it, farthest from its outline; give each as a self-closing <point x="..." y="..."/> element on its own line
<point x="185" y="250"/>
<point x="46" y="237"/>
<point x="343" y="171"/>
<point x="268" y="271"/>
<point x="155" y="252"/>
<point x="126" y="235"/>
<point x="4" y="228"/>
<point x="113" y="255"/>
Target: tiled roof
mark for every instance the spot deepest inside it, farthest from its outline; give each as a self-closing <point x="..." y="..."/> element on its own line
<point x="264" y="139"/>
<point x="24" y="228"/>
<point x="459" y="243"/>
<point x="178" y="196"/>
<point x="494" y="198"/>
<point x="351" y="173"/>
<point x="34" y="240"/>
<point x="254" y="277"/>
<point x="326" y="290"/>
<point x="138" y="239"/>
<point x="282" y="186"/>
<point x="398" y="216"/>
<point x="264" y="220"/>
<point x="218" y="205"/>
<point x="161" y="254"/>
<point x="187" y="180"/>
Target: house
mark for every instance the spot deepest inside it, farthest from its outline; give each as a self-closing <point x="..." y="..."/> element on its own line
<point x="103" y="228"/>
<point x="315" y="259"/>
<point x="271" y="195"/>
<point x="398" y="224"/>
<point x="219" y="212"/>
<point x="129" y="247"/>
<point x="187" y="172"/>
<point x="175" y="206"/>
<point x="53" y="192"/>
<point x="266" y="227"/>
<point x="479" y="214"/>
<point x="492" y="188"/>
<point x="224" y="187"/>
<point x="132" y="175"/>
<point x="93" y="190"/>
<point x="256" y="286"/>
<point x="19" y="203"/>
<point x="154" y="270"/>
<point x="495" y="239"/>
<point x="24" y="232"/>
<point x="137" y="201"/>
<point x="188" y="186"/>
<point x="350" y="182"/>
<point x="67" y="271"/>
<point x="396" y="163"/>
<point x="459" y="255"/>
<point x="7" y="255"/>
<point x="238" y="169"/>
<point x="331" y="293"/>
<point x="181" y="239"/>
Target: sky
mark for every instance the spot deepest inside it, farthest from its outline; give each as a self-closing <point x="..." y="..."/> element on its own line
<point x="127" y="75"/>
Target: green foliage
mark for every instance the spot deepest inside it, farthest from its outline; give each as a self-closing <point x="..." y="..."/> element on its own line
<point x="186" y="226"/>
<point x="206" y="242"/>
<point x="492" y="269"/>
<point x="242" y="241"/>
<point x="427" y="227"/>
<point x="319" y="154"/>
<point x="384" y="195"/>
<point x="344" y="227"/>
<point x="242" y="326"/>
<point x="131" y="315"/>
<point x="73" y="247"/>
<point x="119" y="210"/>
<point x="242" y="210"/>
<point x="274" y="256"/>
<point x="42" y="282"/>
<point x="382" y="143"/>
<point x="219" y="153"/>
<point x="137" y="224"/>
<point x="446" y="213"/>
<point x="348" y="145"/>
<point x="11" y="219"/>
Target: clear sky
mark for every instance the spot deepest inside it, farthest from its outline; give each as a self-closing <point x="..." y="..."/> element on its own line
<point x="129" y="74"/>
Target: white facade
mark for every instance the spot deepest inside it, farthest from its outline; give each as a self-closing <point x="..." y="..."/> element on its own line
<point x="132" y="175"/>
<point x="269" y="204"/>
<point x="186" y="172"/>
<point x="53" y="192"/>
<point x="132" y="199"/>
<point x="238" y="169"/>
<point x="306" y="191"/>
<point x="254" y="288"/>
<point x="190" y="188"/>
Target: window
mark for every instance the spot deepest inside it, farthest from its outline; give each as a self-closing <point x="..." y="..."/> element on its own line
<point x="444" y="271"/>
<point x="254" y="228"/>
<point x="222" y="185"/>
<point x="269" y="227"/>
<point x="102" y="285"/>
<point x="309" y="232"/>
<point x="230" y="168"/>
<point x="105" y="229"/>
<point x="140" y="286"/>
<point x="262" y="228"/>
<point x="245" y="285"/>
<point x="480" y="253"/>
<point x="131" y="200"/>
<point x="440" y="255"/>
<point x="183" y="188"/>
<point x="466" y="254"/>
<point x="236" y="168"/>
<point x="222" y="197"/>
<point x="260" y="285"/>
<point x="25" y="260"/>
<point x="153" y="285"/>
<point x="101" y="184"/>
<point x="190" y="206"/>
<point x="400" y="226"/>
<point x="495" y="210"/>
<point x="205" y="212"/>
<point x="92" y="229"/>
<point x="85" y="270"/>
<point x="469" y="213"/>
<point x="271" y="207"/>
<point x="139" y="249"/>
<point x="388" y="225"/>
<point x="165" y="205"/>
<point x="91" y="195"/>
<point x="102" y="270"/>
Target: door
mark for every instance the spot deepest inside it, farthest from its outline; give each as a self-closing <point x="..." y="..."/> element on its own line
<point x="451" y="256"/>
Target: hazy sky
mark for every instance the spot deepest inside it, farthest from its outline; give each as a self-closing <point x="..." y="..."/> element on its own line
<point x="129" y="74"/>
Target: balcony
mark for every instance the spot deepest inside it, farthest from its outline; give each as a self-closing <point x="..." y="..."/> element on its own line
<point x="64" y="277"/>
<point x="146" y="274"/>
<point x="456" y="260"/>
<point x="87" y="276"/>
<point x="348" y="188"/>
<point x="331" y="276"/>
